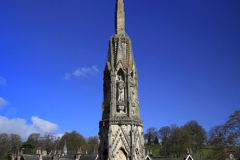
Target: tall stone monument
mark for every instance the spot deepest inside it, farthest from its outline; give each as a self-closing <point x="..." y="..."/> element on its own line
<point x="121" y="129"/>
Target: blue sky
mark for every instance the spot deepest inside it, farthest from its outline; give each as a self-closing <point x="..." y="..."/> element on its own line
<point x="53" y="53"/>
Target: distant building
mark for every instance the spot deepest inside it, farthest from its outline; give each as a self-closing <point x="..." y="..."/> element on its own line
<point x="55" y="155"/>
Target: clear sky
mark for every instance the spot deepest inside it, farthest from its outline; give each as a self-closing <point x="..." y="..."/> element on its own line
<point x="53" y="53"/>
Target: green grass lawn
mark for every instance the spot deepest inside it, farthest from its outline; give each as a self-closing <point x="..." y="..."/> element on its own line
<point x="205" y="151"/>
<point x="156" y="149"/>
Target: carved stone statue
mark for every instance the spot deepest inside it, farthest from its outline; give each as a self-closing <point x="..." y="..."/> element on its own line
<point x="120" y="90"/>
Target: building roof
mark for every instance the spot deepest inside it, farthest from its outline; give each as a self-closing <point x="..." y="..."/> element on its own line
<point x="30" y="157"/>
<point x="71" y="152"/>
<point x="189" y="157"/>
<point x="67" y="157"/>
<point x="88" y="157"/>
<point x="47" y="158"/>
<point x="149" y="157"/>
<point x="35" y="157"/>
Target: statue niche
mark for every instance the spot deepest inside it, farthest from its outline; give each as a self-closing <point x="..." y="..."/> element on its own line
<point x="121" y="91"/>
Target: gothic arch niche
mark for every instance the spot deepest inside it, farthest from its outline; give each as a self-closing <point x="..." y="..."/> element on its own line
<point x="121" y="91"/>
<point x="121" y="73"/>
<point x="133" y="70"/>
<point x="121" y="154"/>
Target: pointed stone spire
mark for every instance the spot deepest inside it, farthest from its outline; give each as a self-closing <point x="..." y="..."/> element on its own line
<point x="65" y="148"/>
<point x="120" y="19"/>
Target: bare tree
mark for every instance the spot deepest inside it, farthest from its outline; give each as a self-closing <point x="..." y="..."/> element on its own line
<point x="164" y="134"/>
<point x="217" y="135"/>
<point x="92" y="145"/>
<point x="233" y="128"/>
<point x="151" y="134"/>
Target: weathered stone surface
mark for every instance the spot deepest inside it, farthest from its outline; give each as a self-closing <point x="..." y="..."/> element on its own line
<point x="120" y="18"/>
<point x="44" y="153"/>
<point x="121" y="129"/>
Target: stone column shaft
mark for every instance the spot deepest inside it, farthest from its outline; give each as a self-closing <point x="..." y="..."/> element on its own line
<point x="120" y="18"/>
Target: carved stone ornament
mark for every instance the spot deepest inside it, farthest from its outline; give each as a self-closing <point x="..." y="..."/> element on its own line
<point x="133" y="92"/>
<point x="137" y="152"/>
<point x="121" y="109"/>
<point x="133" y="104"/>
<point x="130" y="78"/>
